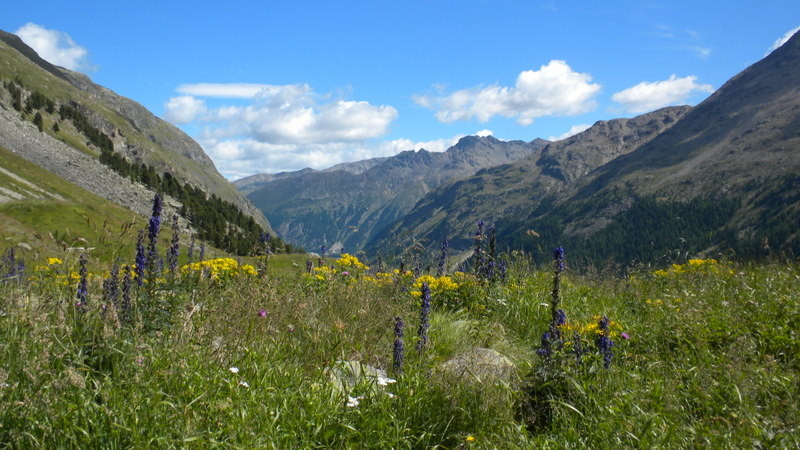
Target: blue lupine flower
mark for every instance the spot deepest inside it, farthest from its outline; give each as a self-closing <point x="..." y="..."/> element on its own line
<point x="397" y="353"/>
<point x="558" y="258"/>
<point x="83" y="290"/>
<point x="423" y="317"/>
<point x="141" y="258"/>
<point x="604" y="342"/>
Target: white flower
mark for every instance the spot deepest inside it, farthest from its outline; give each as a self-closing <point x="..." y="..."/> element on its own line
<point x="352" y="402"/>
<point x="383" y="381"/>
<point x="244" y="384"/>
<point x="234" y="370"/>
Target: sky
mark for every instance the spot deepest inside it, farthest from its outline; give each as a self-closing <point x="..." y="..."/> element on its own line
<point x="272" y="86"/>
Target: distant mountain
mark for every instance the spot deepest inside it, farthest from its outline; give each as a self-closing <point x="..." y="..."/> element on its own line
<point x="113" y="147"/>
<point x="517" y="189"/>
<point x="347" y="205"/>
<point x="722" y="176"/>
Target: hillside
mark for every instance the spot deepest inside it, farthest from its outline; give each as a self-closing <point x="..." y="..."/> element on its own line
<point x="114" y="148"/>
<point x="723" y="176"/>
<point x="516" y="190"/>
<point x="345" y="206"/>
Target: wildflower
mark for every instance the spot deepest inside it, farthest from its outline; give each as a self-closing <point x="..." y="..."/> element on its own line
<point x="625" y="336"/>
<point x="604" y="342"/>
<point x="470" y="438"/>
<point x="384" y="381"/>
<point x="233" y="370"/>
<point x="244" y="384"/>
<point x="53" y="261"/>
<point x="111" y="285"/>
<point x="141" y="259"/>
<point x="262" y="313"/>
<point x="423" y="317"/>
<point x="352" y="402"/>
<point x="558" y="258"/>
<point x="397" y="354"/>
<point x="83" y="290"/>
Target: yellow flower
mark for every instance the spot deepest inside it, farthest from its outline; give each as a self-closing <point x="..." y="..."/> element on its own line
<point x="470" y="438"/>
<point x="53" y="261"/>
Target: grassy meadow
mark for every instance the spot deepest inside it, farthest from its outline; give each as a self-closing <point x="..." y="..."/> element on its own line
<point x="235" y="354"/>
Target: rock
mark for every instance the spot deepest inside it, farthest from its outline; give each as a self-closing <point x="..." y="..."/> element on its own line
<point x="481" y="365"/>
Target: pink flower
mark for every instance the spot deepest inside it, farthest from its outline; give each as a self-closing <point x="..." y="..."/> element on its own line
<point x="345" y="273"/>
<point x="262" y="313"/>
<point x="625" y="336"/>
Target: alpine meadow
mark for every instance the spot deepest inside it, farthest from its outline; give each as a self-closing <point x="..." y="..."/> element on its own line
<point x="634" y="285"/>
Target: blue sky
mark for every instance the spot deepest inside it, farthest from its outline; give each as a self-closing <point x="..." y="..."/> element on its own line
<point x="269" y="86"/>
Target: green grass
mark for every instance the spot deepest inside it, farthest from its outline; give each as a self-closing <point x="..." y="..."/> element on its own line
<point x="712" y="361"/>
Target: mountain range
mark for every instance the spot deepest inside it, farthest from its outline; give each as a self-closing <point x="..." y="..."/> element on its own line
<point x="722" y="177"/>
<point x="345" y="206"/>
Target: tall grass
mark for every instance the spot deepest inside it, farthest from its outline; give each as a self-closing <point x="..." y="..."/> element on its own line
<point x="245" y="361"/>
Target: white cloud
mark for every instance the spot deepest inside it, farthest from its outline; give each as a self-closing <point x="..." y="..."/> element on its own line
<point x="55" y="47"/>
<point x="238" y="158"/>
<point x="782" y="40"/>
<point x="250" y="128"/>
<point x="573" y="130"/>
<point x="484" y="133"/>
<point x="184" y="109"/>
<point x="289" y="114"/>
<point x="553" y="90"/>
<point x="230" y="90"/>
<point x="648" y="96"/>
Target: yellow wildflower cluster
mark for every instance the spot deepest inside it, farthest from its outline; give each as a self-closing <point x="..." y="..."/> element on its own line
<point x="590" y="327"/>
<point x="693" y="266"/>
<point x="437" y="285"/>
<point x="219" y="269"/>
<point x="348" y="261"/>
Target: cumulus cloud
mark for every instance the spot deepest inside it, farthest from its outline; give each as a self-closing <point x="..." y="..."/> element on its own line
<point x="573" y="130"/>
<point x="782" y="40"/>
<point x="553" y="90"/>
<point x="249" y="128"/>
<point x="238" y="158"/>
<point x="648" y="96"/>
<point x="55" y="47"/>
<point x="184" y="109"/>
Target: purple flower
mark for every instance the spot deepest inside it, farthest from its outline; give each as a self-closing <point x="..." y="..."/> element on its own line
<point x="558" y="258"/>
<point x="262" y="313"/>
<point x="397" y="353"/>
<point x="423" y="317"/>
<point x="625" y="336"/>
<point x="604" y="342"/>
<point x="83" y="291"/>
<point x="141" y="258"/>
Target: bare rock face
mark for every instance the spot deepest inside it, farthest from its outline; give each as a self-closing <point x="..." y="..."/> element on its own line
<point x="574" y="157"/>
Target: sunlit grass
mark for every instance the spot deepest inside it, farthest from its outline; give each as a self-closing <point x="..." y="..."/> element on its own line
<point x="710" y="360"/>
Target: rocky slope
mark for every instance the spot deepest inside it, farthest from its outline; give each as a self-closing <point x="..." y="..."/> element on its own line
<point x="347" y="205"/>
<point x="136" y="133"/>
<point x="722" y="176"/>
<point x="517" y="189"/>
